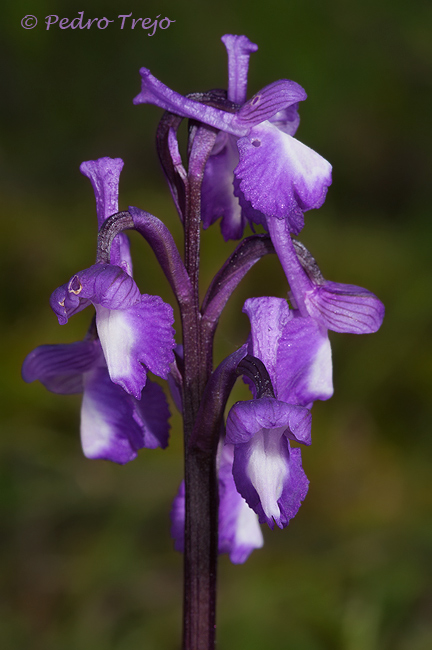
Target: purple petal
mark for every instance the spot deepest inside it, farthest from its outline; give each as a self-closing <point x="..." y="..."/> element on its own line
<point x="239" y="49"/>
<point x="269" y="101"/>
<point x="101" y="284"/>
<point x="268" y="317"/>
<point x="239" y="530"/>
<point x="280" y="176"/>
<point x="247" y="419"/>
<point x="60" y="368"/>
<point x="108" y="429"/>
<point x="287" y="120"/>
<point x="217" y="193"/>
<point x="104" y="175"/>
<point x="152" y="414"/>
<point x="155" y="92"/>
<point x="142" y="334"/>
<point x="304" y="365"/>
<point x="345" y="308"/>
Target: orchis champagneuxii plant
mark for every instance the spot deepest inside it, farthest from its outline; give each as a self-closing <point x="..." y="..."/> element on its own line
<point x="244" y="167"/>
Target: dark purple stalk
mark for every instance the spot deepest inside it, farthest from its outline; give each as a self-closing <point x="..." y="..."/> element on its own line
<point x="201" y="491"/>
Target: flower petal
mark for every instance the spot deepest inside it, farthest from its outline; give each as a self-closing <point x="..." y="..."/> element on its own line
<point x="103" y="284"/>
<point x="268" y="317"/>
<point x="345" y="308"/>
<point x="304" y="365"/>
<point x="247" y="419"/>
<point x="239" y="49"/>
<point x="60" y="368"/>
<point x="269" y="475"/>
<point x="142" y="334"/>
<point x="287" y="120"/>
<point x="155" y="92"/>
<point x="104" y="175"/>
<point x="280" y="176"/>
<point x="239" y="530"/>
<point x="217" y="193"/>
<point x="275" y="97"/>
<point x="152" y="414"/>
<point x="108" y="428"/>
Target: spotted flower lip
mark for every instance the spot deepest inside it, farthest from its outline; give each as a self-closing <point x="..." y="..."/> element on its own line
<point x="279" y="176"/>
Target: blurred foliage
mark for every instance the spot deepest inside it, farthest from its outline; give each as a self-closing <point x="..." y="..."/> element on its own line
<point x="86" y="558"/>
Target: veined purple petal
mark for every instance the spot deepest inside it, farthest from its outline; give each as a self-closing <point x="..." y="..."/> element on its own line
<point x="239" y="49"/>
<point x="60" y="367"/>
<point x="104" y="175"/>
<point x="101" y="284"/>
<point x="280" y="176"/>
<point x="345" y="308"/>
<point x="275" y="97"/>
<point x="155" y="92"/>
<point x="136" y="339"/>
<point x="268" y="317"/>
<point x="304" y="365"/>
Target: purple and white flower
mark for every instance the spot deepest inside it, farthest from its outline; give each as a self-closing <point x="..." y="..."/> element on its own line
<point x="276" y="174"/>
<point x="122" y="410"/>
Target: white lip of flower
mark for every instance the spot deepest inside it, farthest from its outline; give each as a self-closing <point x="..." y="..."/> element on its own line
<point x="267" y="469"/>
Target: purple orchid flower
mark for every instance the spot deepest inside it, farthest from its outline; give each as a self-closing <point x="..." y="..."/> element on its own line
<point x="131" y="328"/>
<point x="297" y="355"/>
<point x="295" y="349"/>
<point x="267" y="472"/>
<point x="239" y="530"/>
<point x="276" y="174"/>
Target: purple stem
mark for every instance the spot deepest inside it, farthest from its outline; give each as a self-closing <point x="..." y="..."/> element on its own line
<point x="201" y="489"/>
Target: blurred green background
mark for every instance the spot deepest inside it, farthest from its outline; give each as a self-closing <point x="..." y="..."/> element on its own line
<point x="86" y="557"/>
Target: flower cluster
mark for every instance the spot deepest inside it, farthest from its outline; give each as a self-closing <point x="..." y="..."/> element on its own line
<point x="252" y="170"/>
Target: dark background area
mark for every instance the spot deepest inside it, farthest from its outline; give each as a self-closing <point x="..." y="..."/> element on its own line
<point x="86" y="558"/>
